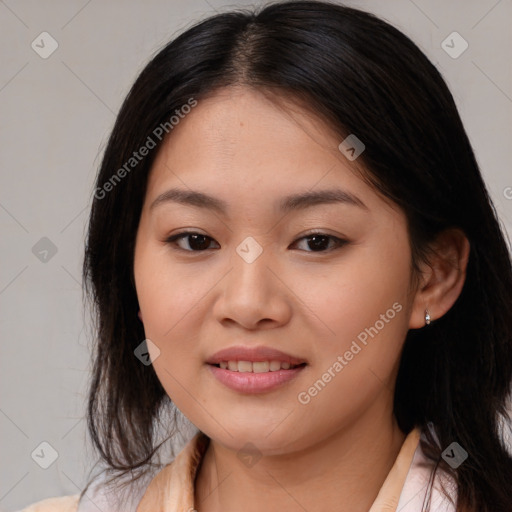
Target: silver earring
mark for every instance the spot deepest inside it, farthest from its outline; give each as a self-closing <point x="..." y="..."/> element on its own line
<point x="427" y="317"/>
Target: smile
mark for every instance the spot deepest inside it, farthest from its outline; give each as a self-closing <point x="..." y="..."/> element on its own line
<point x="255" y="377"/>
<point x="256" y="366"/>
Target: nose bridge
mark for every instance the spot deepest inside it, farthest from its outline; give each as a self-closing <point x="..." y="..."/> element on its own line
<point x="251" y="290"/>
<point x="250" y="270"/>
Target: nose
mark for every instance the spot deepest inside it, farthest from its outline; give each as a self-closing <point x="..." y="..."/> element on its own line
<point x="253" y="296"/>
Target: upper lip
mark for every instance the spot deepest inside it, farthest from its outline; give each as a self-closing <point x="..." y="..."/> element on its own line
<point x="261" y="353"/>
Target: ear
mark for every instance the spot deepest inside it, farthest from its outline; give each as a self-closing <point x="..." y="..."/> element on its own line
<point x="442" y="278"/>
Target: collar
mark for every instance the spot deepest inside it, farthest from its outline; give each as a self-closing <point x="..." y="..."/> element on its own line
<point x="172" y="489"/>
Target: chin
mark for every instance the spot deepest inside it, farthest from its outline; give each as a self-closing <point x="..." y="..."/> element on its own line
<point x="259" y="437"/>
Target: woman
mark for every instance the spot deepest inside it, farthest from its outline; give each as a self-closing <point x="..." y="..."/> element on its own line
<point x="291" y="243"/>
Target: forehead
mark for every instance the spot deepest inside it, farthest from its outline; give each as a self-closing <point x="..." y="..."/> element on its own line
<point x="240" y="145"/>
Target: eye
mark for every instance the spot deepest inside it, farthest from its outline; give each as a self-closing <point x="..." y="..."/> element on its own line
<point x="197" y="242"/>
<point x="318" y="242"/>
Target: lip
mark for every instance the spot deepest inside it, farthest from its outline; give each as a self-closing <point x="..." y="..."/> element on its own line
<point x="252" y="383"/>
<point x="261" y="353"/>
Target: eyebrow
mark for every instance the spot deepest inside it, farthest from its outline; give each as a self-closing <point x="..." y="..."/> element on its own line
<point x="289" y="203"/>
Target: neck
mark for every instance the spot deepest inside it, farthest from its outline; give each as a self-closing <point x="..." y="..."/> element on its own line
<point x="348" y="468"/>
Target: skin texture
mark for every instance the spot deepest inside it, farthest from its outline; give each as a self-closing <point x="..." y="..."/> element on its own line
<point x="240" y="147"/>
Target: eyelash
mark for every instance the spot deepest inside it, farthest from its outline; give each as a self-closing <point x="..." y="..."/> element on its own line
<point x="174" y="238"/>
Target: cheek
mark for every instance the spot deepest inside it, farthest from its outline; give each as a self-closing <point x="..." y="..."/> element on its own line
<point x="169" y="305"/>
<point x="173" y="302"/>
<point x="166" y="295"/>
<point x="158" y="290"/>
<point x="363" y="307"/>
<point x="365" y="311"/>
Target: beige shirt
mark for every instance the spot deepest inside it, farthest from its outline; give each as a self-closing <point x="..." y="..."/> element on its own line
<point x="172" y="488"/>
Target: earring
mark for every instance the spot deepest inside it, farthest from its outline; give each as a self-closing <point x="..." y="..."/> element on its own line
<point x="427" y="317"/>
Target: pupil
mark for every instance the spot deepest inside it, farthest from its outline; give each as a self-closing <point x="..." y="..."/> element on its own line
<point x="199" y="246"/>
<point x="317" y="242"/>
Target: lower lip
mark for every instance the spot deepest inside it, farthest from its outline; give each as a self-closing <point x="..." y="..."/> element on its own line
<point x="249" y="382"/>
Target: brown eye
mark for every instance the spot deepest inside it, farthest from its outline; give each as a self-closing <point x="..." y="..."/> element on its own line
<point x="319" y="242"/>
<point x="195" y="241"/>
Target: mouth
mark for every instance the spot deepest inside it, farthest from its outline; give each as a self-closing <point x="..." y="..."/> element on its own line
<point x="256" y="359"/>
<point x="251" y="381"/>
<point x="253" y="370"/>
<point x="257" y="366"/>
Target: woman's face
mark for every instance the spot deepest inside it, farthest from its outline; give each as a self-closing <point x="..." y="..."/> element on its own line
<point x="256" y="277"/>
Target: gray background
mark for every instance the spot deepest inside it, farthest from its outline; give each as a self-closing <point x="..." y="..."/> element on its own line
<point x="56" y="114"/>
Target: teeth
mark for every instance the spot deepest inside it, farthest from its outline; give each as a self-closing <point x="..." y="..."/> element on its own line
<point x="244" y="366"/>
<point x="255" y="367"/>
<point x="260" y="367"/>
<point x="274" y="366"/>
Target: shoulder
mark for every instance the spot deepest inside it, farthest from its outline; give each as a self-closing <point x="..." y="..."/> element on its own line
<point x="56" y="504"/>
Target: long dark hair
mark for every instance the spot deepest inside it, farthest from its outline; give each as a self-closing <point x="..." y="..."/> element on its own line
<point x="361" y="76"/>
